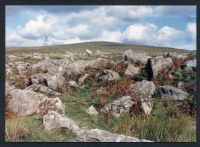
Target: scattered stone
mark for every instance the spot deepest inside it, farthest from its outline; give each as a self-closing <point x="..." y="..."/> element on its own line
<point x="83" y="79"/>
<point x="118" y="106"/>
<point x="73" y="84"/>
<point x="101" y="91"/>
<point x="143" y="87"/>
<point x="56" y="82"/>
<point x="172" y="93"/>
<point x="110" y="75"/>
<point x="91" y="110"/>
<point x="89" y="52"/>
<point x="190" y="64"/>
<point x="131" y="70"/>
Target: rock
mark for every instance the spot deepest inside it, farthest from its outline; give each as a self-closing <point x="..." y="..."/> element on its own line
<point x="160" y="63"/>
<point x="96" y="135"/>
<point x="190" y="64"/>
<point x="22" y="67"/>
<point x="182" y="56"/>
<point x="55" y="120"/>
<point x="73" y="84"/>
<point x="52" y="104"/>
<point x="56" y="82"/>
<point x="83" y="78"/>
<point x="91" y="110"/>
<point x="42" y="89"/>
<point x="172" y="93"/>
<point x="136" y="57"/>
<point x="118" y="106"/>
<point x="44" y="67"/>
<point x="131" y="70"/>
<point x="27" y="102"/>
<point x="110" y="75"/>
<point x="143" y="87"/>
<point x="89" y="52"/>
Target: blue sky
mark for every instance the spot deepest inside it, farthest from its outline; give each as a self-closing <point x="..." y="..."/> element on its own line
<point x="169" y="26"/>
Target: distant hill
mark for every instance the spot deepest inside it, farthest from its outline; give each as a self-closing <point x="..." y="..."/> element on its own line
<point x="98" y="45"/>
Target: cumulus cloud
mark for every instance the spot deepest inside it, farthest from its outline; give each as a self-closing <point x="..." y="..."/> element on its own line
<point x="99" y="24"/>
<point x="191" y="30"/>
<point x="150" y="34"/>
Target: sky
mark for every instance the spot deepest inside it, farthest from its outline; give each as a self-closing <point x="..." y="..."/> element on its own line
<point x="165" y="26"/>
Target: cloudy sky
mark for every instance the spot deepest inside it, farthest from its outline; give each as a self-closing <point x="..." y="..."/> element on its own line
<point x="170" y="26"/>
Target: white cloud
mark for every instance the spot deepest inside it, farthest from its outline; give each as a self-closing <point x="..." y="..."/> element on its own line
<point x="191" y="30"/>
<point x="100" y="24"/>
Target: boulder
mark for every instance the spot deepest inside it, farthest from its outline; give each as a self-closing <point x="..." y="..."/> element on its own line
<point x="172" y="93"/>
<point x="160" y="63"/>
<point x="110" y="75"/>
<point x="119" y="106"/>
<point x="97" y="135"/>
<point x="101" y="91"/>
<point x="143" y="87"/>
<point x="91" y="111"/>
<point x="136" y="57"/>
<point x="73" y="84"/>
<point x="27" y="102"/>
<point x="53" y="120"/>
<point x="56" y="82"/>
<point x="89" y="52"/>
<point x="131" y="70"/>
<point x="191" y="64"/>
<point x="83" y="79"/>
<point x="22" y="67"/>
<point x="44" y="67"/>
<point x="43" y="89"/>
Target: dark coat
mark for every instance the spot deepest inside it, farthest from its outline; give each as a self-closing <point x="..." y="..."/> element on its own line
<point x="149" y="70"/>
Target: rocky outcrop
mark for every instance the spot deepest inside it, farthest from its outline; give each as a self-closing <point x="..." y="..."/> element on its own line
<point x="191" y="64"/>
<point x="172" y="93"/>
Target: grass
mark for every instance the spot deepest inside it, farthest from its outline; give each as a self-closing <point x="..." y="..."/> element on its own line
<point x="30" y="129"/>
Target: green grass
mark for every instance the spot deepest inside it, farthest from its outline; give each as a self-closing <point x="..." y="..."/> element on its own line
<point x="30" y="129"/>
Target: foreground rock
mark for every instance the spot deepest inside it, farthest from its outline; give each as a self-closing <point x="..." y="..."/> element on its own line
<point x="55" y="120"/>
<point x="27" y="102"/>
<point x="83" y="79"/>
<point x="172" y="93"/>
<point x="96" y="135"/>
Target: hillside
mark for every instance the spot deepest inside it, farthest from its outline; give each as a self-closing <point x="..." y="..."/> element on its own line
<point x="104" y="46"/>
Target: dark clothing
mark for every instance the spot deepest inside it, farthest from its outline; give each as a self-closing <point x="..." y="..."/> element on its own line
<point x="45" y="82"/>
<point x="30" y="82"/>
<point x="149" y="70"/>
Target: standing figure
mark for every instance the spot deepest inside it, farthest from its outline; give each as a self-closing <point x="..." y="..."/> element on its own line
<point x="149" y="70"/>
<point x="29" y="82"/>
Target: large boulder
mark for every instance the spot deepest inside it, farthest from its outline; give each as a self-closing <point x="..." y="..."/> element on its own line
<point x="172" y="93"/>
<point x="131" y="70"/>
<point x="97" y="135"/>
<point x="143" y="87"/>
<point x="56" y="81"/>
<point x="44" y="67"/>
<point x="27" y="102"/>
<point x="160" y="63"/>
<point x="22" y="67"/>
<point x="109" y="75"/>
<point x="136" y="57"/>
<point x="89" y="52"/>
